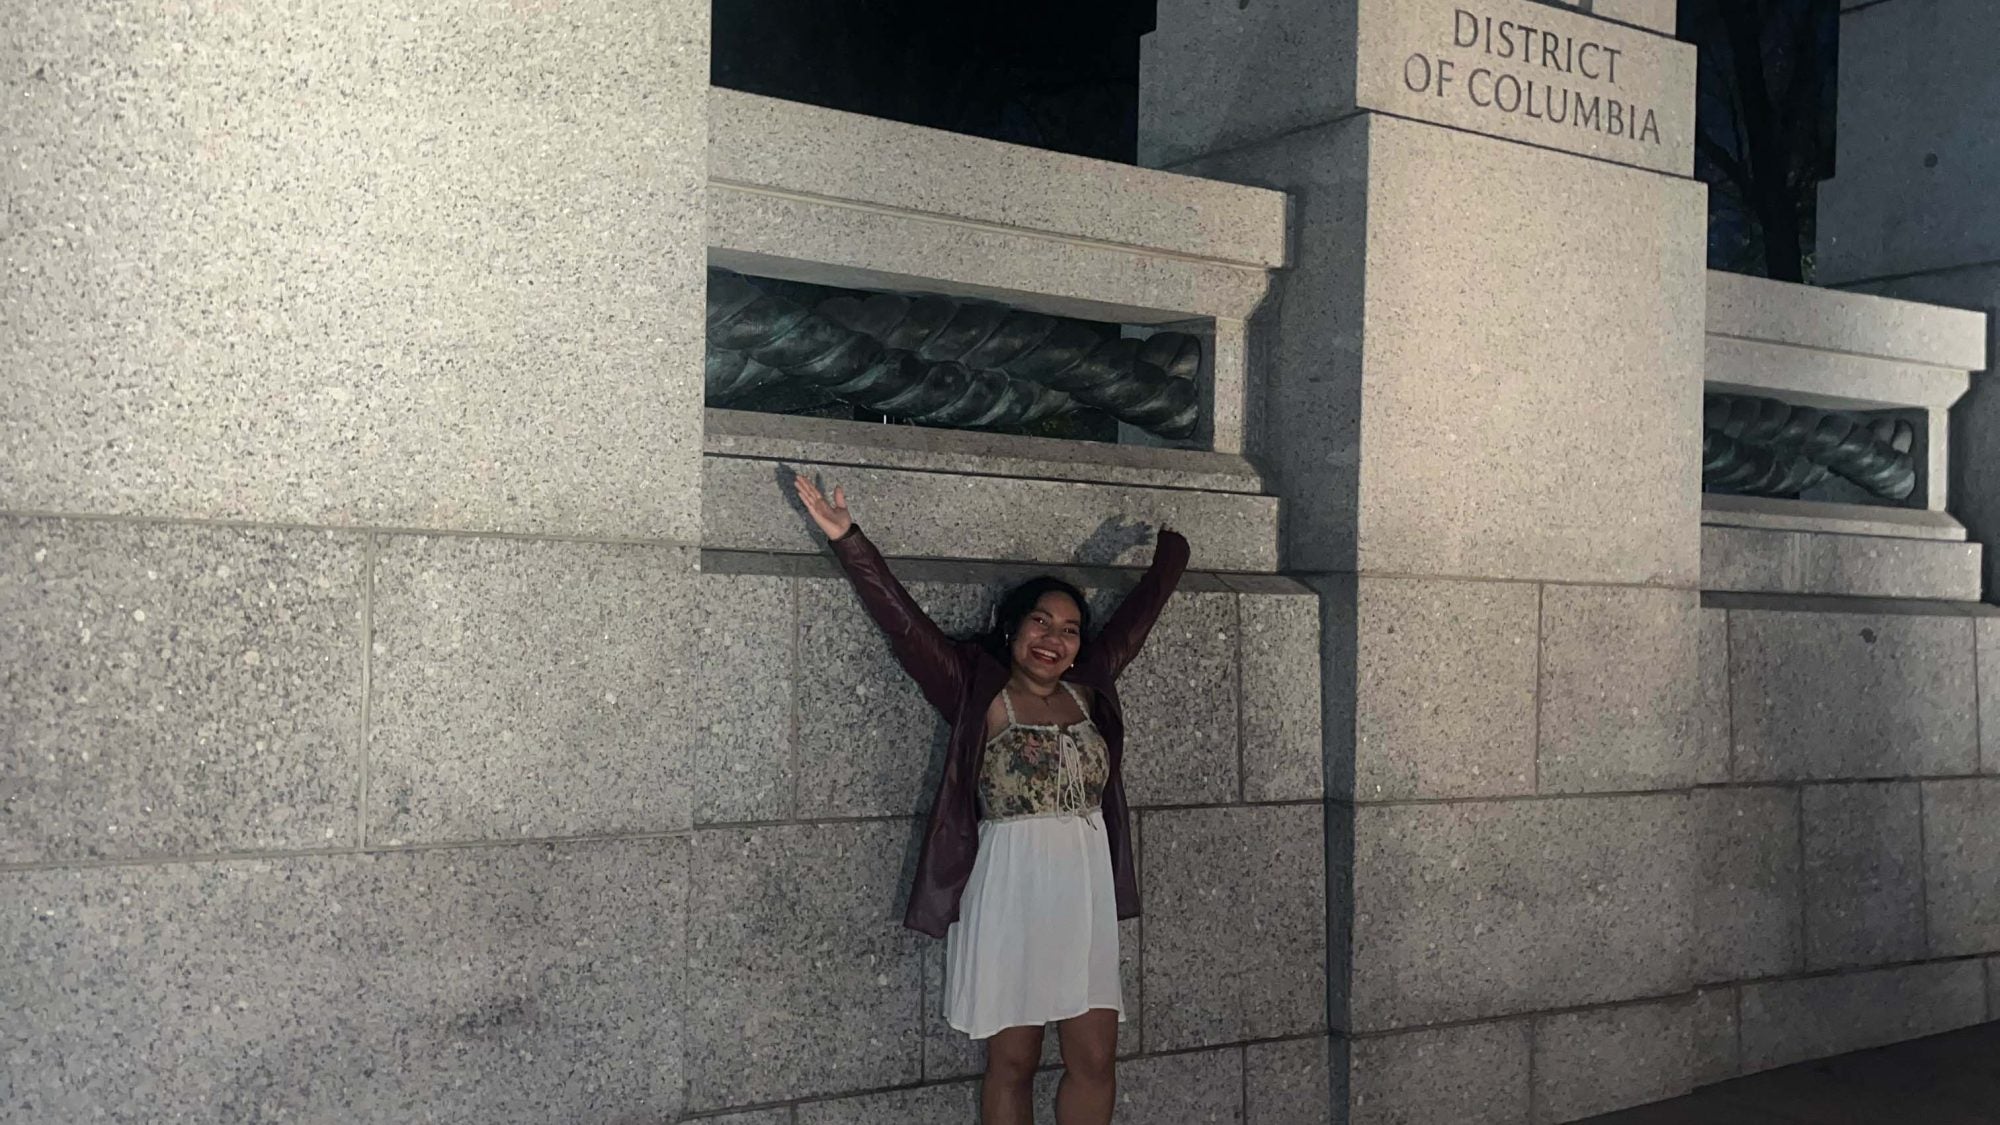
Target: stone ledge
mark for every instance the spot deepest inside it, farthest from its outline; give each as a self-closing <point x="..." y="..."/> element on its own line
<point x="821" y="564"/>
<point x="826" y="441"/>
<point x="1765" y="513"/>
<point x="763" y="142"/>
<point x="1856" y="324"/>
<point x="828" y="242"/>
<point x="1827" y="379"/>
<point x="746" y="506"/>
<point x="1751" y="560"/>
<point x="1821" y="603"/>
<point x="1788" y="1021"/>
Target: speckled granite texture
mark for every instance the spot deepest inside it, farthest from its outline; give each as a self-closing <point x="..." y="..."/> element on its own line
<point x="1476" y="1074"/>
<point x="174" y="690"/>
<point x="1209" y="75"/>
<point x="385" y="747"/>
<point x="400" y="264"/>
<point x="802" y="980"/>
<point x="528" y="689"/>
<point x="521" y="983"/>
<point x="1457" y="431"/>
<point x="1242" y="957"/>
<point x="1821" y="696"/>
<point x="953" y="516"/>
<point x="1846" y="867"/>
<point x="1425" y="871"/>
<point x="1597" y="1061"/>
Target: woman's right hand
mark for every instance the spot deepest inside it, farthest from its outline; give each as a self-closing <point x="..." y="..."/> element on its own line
<point x="831" y="516"/>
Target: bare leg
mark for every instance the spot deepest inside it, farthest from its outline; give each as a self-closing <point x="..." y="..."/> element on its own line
<point x="1089" y="1049"/>
<point x="1008" y="1095"/>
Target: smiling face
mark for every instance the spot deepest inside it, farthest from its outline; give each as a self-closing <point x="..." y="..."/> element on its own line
<point x="1047" y="640"/>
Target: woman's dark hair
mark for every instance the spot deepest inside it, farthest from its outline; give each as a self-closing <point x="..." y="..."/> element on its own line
<point x="1019" y="602"/>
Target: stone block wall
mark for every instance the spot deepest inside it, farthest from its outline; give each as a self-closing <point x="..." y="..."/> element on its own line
<point x="805" y="993"/>
<point x="380" y="742"/>
<point x="1521" y="846"/>
<point x="329" y="822"/>
<point x="350" y="460"/>
<point x="1848" y="864"/>
<point x="1474" y="443"/>
<point x="341" y="821"/>
<point x="1805" y="867"/>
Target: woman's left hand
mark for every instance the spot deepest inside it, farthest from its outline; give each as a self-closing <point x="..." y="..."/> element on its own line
<point x="833" y="518"/>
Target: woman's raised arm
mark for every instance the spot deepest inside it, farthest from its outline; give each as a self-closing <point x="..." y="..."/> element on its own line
<point x="1125" y="634"/>
<point x="936" y="662"/>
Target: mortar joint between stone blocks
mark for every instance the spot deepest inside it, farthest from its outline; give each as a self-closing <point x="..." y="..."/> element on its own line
<point x="796" y="588"/>
<point x="1729" y="694"/>
<point x="1805" y="883"/>
<point x="371" y="557"/>
<point x="356" y="529"/>
<point x="1243" y="1074"/>
<point x="1541" y="626"/>
<point x="1649" y="1000"/>
<point x="1843" y="971"/>
<point x="1979" y="732"/>
<point x="1242" y="779"/>
<point x="79" y="863"/>
<point x="1534" y="1048"/>
<point x="1923" y="877"/>
<point x="1736" y="1064"/>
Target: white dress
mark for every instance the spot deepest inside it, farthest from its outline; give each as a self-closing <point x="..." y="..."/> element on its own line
<point x="1037" y="935"/>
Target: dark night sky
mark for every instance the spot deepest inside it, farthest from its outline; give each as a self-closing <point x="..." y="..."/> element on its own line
<point x="1066" y="77"/>
<point x="1055" y="76"/>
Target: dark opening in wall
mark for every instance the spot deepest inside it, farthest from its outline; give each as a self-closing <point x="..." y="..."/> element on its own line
<point x="1763" y="446"/>
<point x="1063" y="77"/>
<point x="788" y="347"/>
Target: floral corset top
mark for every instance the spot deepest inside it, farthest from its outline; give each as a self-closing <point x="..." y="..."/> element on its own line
<point x="1043" y="770"/>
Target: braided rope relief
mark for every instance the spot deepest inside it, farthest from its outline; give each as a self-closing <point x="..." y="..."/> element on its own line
<point x="1756" y="446"/>
<point x="938" y="360"/>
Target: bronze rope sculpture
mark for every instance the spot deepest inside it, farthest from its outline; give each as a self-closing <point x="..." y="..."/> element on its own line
<point x="775" y="335"/>
<point x="937" y="360"/>
<point x="1147" y="383"/>
<point x="1767" y="447"/>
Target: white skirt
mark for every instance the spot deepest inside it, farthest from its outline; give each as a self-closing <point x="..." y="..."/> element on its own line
<point x="1037" y="935"/>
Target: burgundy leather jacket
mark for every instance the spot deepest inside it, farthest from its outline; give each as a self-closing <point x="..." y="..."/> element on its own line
<point x="961" y="679"/>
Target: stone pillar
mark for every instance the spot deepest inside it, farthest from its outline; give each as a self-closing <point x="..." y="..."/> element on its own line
<point x="1911" y="210"/>
<point x="350" y="469"/>
<point x="1481" y="388"/>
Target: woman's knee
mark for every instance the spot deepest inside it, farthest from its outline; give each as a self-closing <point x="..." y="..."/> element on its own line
<point x="1092" y="1067"/>
<point x="1014" y="1055"/>
<point x="1090" y="1061"/>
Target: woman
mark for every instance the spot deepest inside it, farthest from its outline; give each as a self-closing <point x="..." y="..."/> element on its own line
<point x="1026" y="864"/>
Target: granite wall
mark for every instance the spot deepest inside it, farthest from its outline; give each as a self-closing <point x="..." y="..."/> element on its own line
<point x="349" y="824"/>
<point x="1849" y="863"/>
<point x="350" y="467"/>
<point x="1910" y="212"/>
<point x="1481" y="374"/>
<point x="816" y="758"/>
<point x="416" y="707"/>
<point x="1846" y="870"/>
<point x="1849" y="869"/>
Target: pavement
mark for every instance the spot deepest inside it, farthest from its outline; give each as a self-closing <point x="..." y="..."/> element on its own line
<point x="1949" y="1079"/>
